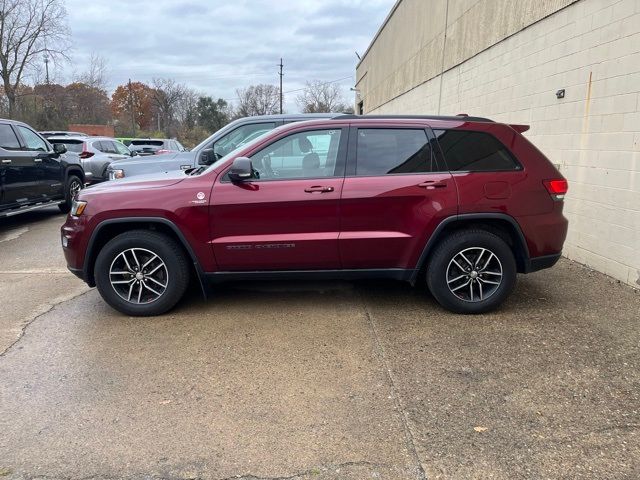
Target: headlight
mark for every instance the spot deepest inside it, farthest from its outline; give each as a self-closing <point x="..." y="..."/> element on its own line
<point x="77" y="207"/>
<point x="116" y="174"/>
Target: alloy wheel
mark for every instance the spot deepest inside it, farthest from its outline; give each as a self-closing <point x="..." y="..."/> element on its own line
<point x="74" y="188"/>
<point x="474" y="274"/>
<point x="138" y="276"/>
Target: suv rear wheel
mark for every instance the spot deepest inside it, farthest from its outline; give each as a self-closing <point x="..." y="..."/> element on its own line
<point x="142" y="273"/>
<point x="471" y="271"/>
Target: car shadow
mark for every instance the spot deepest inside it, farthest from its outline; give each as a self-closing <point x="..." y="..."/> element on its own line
<point x="22" y="219"/>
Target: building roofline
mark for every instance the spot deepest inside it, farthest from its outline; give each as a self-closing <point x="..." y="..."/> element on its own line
<point x="375" y="37"/>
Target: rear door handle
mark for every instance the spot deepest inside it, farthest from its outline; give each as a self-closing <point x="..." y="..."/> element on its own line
<point x="37" y="160"/>
<point x="318" y="189"/>
<point x="433" y="184"/>
<point x="6" y="160"/>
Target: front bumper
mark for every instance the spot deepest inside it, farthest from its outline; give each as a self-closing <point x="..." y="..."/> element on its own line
<point x="74" y="244"/>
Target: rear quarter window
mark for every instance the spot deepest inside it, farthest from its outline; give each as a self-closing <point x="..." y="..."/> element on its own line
<point x="470" y="151"/>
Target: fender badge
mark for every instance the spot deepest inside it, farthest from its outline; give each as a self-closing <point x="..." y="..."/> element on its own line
<point x="200" y="199"/>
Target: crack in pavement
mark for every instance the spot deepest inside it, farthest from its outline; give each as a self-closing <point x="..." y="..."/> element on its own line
<point x="409" y="439"/>
<point x="39" y="313"/>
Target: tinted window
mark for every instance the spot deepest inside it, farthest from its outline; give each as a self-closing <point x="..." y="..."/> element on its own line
<point x="101" y="147"/>
<point x="393" y="151"/>
<point x="8" y="139"/>
<point x="474" y="151"/>
<point x="33" y="140"/>
<point x="155" y="143"/>
<point x="72" y="145"/>
<point x="301" y="155"/>
<point x="238" y="136"/>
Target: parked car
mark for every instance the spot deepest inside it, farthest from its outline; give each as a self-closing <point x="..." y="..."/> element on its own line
<point x="155" y="146"/>
<point x="462" y="202"/>
<point x="62" y="133"/>
<point x="33" y="173"/>
<point x="218" y="145"/>
<point x="95" y="154"/>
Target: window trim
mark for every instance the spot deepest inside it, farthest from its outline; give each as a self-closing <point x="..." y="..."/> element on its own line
<point x="519" y="166"/>
<point x="340" y="158"/>
<point x="352" y="160"/>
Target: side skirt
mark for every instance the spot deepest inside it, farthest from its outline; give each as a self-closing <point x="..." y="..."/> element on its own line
<point x="356" y="274"/>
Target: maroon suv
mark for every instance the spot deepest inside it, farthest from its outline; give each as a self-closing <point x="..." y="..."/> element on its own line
<point x="463" y="202"/>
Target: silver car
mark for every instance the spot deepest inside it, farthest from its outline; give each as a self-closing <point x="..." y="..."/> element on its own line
<point x="95" y="154"/>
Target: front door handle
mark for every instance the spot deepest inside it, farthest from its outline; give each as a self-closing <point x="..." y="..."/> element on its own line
<point x="37" y="160"/>
<point x="433" y="184"/>
<point x="318" y="189"/>
<point x="6" y="160"/>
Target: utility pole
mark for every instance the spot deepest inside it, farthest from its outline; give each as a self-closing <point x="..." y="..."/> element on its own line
<point x="281" y="75"/>
<point x="133" y="117"/>
<point x="46" y="66"/>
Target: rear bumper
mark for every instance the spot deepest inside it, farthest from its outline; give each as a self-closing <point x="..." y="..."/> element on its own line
<point x="539" y="263"/>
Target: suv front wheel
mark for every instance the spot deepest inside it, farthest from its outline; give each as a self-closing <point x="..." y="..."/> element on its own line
<point x="142" y="273"/>
<point x="471" y="271"/>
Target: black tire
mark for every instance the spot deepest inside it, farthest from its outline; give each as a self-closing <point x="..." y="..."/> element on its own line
<point x="442" y="269"/>
<point x="167" y="250"/>
<point x="73" y="182"/>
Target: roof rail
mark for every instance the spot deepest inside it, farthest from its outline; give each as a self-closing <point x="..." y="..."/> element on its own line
<point x="464" y="117"/>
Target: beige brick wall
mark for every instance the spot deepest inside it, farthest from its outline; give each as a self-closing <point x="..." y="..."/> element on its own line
<point x="590" y="48"/>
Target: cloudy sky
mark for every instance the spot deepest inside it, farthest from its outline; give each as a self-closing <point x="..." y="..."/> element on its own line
<point x="217" y="46"/>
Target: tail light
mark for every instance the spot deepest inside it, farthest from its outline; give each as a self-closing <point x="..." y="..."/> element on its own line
<point x="85" y="154"/>
<point x="557" y="188"/>
<point x="160" y="152"/>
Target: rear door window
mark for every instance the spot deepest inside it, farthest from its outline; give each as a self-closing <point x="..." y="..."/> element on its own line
<point x="387" y="151"/>
<point x="470" y="151"/>
<point x="8" y="138"/>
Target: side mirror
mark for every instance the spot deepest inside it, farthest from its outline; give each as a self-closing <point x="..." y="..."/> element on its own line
<point x="207" y="157"/>
<point x="133" y="153"/>
<point x="59" y="148"/>
<point x="241" y="170"/>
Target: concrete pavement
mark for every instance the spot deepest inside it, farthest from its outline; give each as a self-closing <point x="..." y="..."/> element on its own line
<point x="331" y="380"/>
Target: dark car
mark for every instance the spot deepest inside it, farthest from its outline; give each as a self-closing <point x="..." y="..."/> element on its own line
<point x="462" y="202"/>
<point x="33" y="173"/>
<point x="94" y="153"/>
<point x="229" y="137"/>
<point x="155" y="146"/>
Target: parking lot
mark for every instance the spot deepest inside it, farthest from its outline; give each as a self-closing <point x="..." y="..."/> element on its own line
<point x="333" y="380"/>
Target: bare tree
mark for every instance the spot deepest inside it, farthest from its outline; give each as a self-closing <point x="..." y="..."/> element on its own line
<point x="167" y="95"/>
<point x="96" y="74"/>
<point x="29" y="29"/>
<point x="258" y="100"/>
<point x="321" y="97"/>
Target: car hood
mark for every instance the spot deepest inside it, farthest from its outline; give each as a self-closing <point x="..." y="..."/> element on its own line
<point x="148" y="160"/>
<point x="140" y="182"/>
